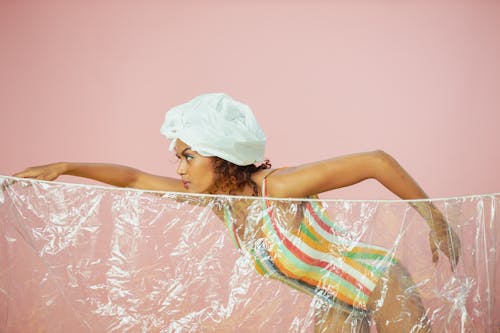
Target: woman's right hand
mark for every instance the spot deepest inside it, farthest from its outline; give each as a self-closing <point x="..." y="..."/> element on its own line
<point x="43" y="172"/>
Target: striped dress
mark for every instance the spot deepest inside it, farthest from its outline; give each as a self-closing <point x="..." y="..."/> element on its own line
<point x="316" y="258"/>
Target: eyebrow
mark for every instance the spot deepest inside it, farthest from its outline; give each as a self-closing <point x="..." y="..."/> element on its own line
<point x="183" y="151"/>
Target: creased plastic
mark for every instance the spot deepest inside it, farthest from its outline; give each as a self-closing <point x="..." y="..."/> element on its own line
<point x="81" y="258"/>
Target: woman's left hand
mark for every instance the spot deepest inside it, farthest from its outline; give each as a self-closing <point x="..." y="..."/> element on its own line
<point x="443" y="237"/>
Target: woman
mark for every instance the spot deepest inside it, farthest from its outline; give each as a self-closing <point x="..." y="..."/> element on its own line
<point x="218" y="142"/>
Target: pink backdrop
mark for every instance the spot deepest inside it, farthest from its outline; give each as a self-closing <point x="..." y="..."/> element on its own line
<point x="91" y="80"/>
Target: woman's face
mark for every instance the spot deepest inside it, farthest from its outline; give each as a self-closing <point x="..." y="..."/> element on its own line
<point x="197" y="172"/>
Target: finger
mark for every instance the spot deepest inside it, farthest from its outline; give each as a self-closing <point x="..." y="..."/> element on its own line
<point x="23" y="174"/>
<point x="435" y="254"/>
<point x="455" y="256"/>
<point x="454" y="249"/>
<point x="453" y="262"/>
<point x="434" y="249"/>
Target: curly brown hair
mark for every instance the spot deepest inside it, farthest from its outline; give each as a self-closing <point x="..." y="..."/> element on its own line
<point x="232" y="178"/>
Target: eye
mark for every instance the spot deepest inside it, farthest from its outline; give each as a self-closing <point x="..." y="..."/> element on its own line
<point x="188" y="157"/>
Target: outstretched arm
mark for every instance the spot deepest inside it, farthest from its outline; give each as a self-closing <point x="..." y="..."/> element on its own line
<point x="113" y="174"/>
<point x="318" y="177"/>
<point x="348" y="170"/>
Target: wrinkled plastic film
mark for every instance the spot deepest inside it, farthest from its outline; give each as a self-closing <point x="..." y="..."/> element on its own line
<point x="86" y="258"/>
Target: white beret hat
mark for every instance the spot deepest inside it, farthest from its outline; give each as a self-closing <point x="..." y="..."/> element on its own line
<point x="217" y="125"/>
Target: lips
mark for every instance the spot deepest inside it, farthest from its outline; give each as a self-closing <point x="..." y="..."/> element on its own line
<point x="185" y="184"/>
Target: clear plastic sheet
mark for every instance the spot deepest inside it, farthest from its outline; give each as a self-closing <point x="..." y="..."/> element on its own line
<point x="81" y="258"/>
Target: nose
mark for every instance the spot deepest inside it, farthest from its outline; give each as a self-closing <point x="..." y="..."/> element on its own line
<point x="181" y="168"/>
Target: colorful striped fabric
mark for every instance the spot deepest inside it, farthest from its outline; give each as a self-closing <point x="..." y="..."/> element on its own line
<point x="316" y="258"/>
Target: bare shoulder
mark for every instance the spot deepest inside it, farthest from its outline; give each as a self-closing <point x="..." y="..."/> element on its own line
<point x="259" y="176"/>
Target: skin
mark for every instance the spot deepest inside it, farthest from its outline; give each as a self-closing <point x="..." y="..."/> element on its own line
<point x="197" y="175"/>
<point x="196" y="171"/>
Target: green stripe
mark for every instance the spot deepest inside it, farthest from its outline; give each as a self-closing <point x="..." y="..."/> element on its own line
<point x="303" y="228"/>
<point x="376" y="271"/>
<point x="370" y="256"/>
<point x="258" y="262"/>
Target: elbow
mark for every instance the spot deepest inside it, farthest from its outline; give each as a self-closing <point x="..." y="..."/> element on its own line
<point x="383" y="162"/>
<point x="381" y="156"/>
